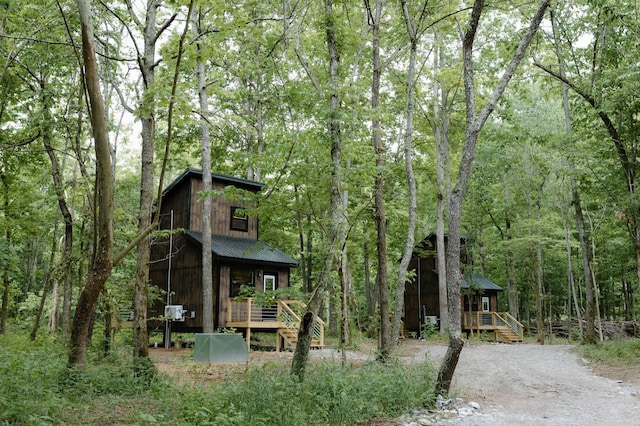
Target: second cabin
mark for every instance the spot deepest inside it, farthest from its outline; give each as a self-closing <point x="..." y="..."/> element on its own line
<point x="478" y="297"/>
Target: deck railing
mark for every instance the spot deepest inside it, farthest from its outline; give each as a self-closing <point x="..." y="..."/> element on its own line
<point x="281" y="314"/>
<point x="476" y="320"/>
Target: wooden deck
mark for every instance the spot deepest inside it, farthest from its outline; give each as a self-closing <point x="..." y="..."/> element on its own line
<point x="505" y="327"/>
<point x="282" y="317"/>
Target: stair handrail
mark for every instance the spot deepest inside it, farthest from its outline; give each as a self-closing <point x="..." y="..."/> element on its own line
<point x="512" y="323"/>
<point x="293" y="320"/>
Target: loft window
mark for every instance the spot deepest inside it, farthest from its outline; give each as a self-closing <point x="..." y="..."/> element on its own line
<point x="239" y="219"/>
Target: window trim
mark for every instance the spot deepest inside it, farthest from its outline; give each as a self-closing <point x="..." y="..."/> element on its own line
<point x="488" y="304"/>
<point x="239" y="221"/>
<point x="232" y="271"/>
<point x="264" y="281"/>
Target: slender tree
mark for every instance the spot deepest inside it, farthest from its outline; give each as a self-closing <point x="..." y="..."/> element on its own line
<point x="335" y="232"/>
<point x="475" y="121"/>
<point x="103" y="262"/>
<point x="414" y="31"/>
<point x="375" y="16"/>
<point x="589" y="334"/>
<point x="207" y="260"/>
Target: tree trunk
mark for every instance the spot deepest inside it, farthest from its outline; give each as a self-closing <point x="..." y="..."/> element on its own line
<point x="148" y="122"/>
<point x="370" y="293"/>
<point x="67" y="254"/>
<point x="304" y="274"/>
<point x="441" y="133"/>
<point x="411" y="182"/>
<point x="589" y="334"/>
<point x="454" y="202"/>
<point x="47" y="284"/>
<point x="539" y="289"/>
<point x="103" y="263"/>
<point x="379" y="212"/>
<point x="4" y="309"/>
<point x="335" y="233"/>
<point x="345" y="294"/>
<point x="208" y="321"/>
<point x="510" y="267"/>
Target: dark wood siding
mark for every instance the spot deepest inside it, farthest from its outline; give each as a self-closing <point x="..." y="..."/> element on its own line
<point x="221" y="213"/>
<point x="423" y="300"/>
<point x="178" y="202"/>
<point x="185" y="283"/>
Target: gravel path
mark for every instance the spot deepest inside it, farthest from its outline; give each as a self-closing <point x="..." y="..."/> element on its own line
<point x="525" y="384"/>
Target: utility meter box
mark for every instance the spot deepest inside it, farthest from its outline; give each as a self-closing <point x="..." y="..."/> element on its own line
<point x="174" y="312"/>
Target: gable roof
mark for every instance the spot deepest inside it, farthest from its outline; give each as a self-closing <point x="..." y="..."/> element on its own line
<point x="478" y="282"/>
<point x="230" y="180"/>
<point x="243" y="250"/>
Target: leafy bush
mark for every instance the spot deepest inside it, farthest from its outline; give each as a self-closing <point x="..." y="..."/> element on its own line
<point x="28" y="375"/>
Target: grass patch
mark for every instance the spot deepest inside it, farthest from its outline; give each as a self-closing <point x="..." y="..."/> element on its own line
<point x="616" y="352"/>
<point x="36" y="388"/>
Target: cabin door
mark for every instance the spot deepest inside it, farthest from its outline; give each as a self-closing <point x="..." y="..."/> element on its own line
<point x="486" y="307"/>
<point x="270" y="282"/>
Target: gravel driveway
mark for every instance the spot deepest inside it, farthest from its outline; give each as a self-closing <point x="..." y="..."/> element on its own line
<point x="526" y="384"/>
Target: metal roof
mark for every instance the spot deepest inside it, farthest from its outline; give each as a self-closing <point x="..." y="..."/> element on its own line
<point x="239" y="182"/>
<point x="243" y="249"/>
<point x="478" y="282"/>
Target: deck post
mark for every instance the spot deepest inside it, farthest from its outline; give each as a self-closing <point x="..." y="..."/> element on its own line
<point x="249" y="324"/>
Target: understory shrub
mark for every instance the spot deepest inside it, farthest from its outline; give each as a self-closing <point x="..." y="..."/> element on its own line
<point x="28" y="375"/>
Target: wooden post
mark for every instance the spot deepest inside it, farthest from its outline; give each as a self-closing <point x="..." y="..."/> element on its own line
<point x="249" y="324"/>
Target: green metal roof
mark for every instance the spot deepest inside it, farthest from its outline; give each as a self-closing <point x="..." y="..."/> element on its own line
<point x="478" y="282"/>
<point x="243" y="249"/>
<point x="227" y="180"/>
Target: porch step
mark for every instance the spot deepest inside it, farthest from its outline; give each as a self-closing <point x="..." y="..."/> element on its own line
<point x="290" y="337"/>
<point x="505" y="334"/>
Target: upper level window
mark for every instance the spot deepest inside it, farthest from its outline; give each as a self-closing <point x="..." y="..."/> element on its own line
<point x="239" y="219"/>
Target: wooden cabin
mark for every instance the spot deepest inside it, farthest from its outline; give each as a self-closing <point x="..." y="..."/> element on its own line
<point x="478" y="296"/>
<point x="239" y="258"/>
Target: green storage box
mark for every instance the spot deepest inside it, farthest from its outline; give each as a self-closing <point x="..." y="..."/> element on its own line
<point x="220" y="347"/>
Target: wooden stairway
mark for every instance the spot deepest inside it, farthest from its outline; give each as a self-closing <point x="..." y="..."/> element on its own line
<point x="504" y="327"/>
<point x="288" y="338"/>
<point x="508" y="329"/>
<point x="287" y="335"/>
<point x="507" y="335"/>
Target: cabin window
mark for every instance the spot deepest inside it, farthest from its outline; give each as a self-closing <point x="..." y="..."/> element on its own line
<point x="240" y="277"/>
<point x="270" y="282"/>
<point x="239" y="219"/>
<point x="485" y="304"/>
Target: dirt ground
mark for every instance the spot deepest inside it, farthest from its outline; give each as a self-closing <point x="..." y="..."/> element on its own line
<point x="528" y="384"/>
<point x="516" y="384"/>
